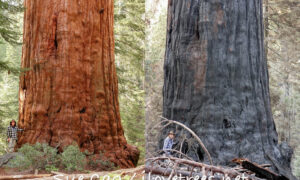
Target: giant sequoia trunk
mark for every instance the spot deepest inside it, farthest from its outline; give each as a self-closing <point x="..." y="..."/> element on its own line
<point x="216" y="79"/>
<point x="70" y="93"/>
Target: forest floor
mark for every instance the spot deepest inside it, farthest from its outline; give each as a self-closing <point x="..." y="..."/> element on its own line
<point x="131" y="173"/>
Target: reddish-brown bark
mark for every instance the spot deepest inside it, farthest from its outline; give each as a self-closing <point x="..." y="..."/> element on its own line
<point x="70" y="93"/>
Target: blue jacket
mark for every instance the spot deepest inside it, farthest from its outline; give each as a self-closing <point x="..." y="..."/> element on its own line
<point x="168" y="143"/>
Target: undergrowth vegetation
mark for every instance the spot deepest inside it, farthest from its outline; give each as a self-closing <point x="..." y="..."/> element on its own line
<point x="47" y="158"/>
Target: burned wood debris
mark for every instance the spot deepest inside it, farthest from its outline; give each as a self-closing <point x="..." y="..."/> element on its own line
<point x="181" y="168"/>
<point x="181" y="164"/>
<point x="260" y="170"/>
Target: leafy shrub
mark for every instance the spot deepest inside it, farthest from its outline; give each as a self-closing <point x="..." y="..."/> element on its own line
<point x="50" y="168"/>
<point x="100" y="162"/>
<point x="38" y="156"/>
<point x="45" y="157"/>
<point x="73" y="159"/>
<point x="21" y="162"/>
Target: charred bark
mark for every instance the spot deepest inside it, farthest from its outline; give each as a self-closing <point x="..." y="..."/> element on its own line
<point x="216" y="80"/>
<point x="70" y="93"/>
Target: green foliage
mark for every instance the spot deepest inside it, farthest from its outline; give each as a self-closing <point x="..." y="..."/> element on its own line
<point x="156" y="18"/>
<point x="9" y="31"/>
<point x="51" y="167"/>
<point x="129" y="51"/>
<point x="10" y="28"/>
<point x="9" y="85"/>
<point x="20" y="162"/>
<point x="73" y="159"/>
<point x="38" y="156"/>
<point x="10" y="56"/>
<point x="100" y="162"/>
<point x="45" y="157"/>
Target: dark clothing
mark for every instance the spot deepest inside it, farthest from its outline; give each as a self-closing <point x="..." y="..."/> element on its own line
<point x="12" y="132"/>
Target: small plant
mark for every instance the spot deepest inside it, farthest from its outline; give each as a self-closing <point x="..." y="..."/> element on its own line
<point x="73" y="159"/>
<point x="38" y="156"/>
<point x="100" y="162"/>
<point x="51" y="168"/>
<point x="20" y="162"/>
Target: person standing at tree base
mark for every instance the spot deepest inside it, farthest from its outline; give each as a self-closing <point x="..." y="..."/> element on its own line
<point x="12" y="135"/>
<point x="168" y="143"/>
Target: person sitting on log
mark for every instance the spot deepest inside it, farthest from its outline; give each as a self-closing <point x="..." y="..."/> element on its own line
<point x="12" y="135"/>
<point x="168" y="143"/>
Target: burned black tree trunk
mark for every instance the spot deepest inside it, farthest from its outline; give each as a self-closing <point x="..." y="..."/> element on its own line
<point x="216" y="80"/>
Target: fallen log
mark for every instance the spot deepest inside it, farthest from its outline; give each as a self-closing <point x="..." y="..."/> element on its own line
<point x="29" y="176"/>
<point x="6" y="157"/>
<point x="167" y="172"/>
<point x="259" y="170"/>
<point x="174" y="151"/>
<point x="182" y="174"/>
<point x="265" y="165"/>
<point x="208" y="168"/>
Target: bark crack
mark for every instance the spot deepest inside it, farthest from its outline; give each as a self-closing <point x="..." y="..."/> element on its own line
<point x="55" y="36"/>
<point x="101" y="10"/>
<point x="82" y="110"/>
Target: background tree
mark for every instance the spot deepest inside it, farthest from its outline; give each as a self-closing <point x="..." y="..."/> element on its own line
<point x="8" y="88"/>
<point x="156" y="23"/>
<point x="10" y="51"/>
<point x="71" y="93"/>
<point x="9" y="31"/>
<point x="130" y="58"/>
<point x="282" y="43"/>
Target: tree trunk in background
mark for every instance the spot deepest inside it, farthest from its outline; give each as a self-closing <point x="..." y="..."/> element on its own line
<point x="71" y="92"/>
<point x="216" y="80"/>
<point x="266" y="28"/>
